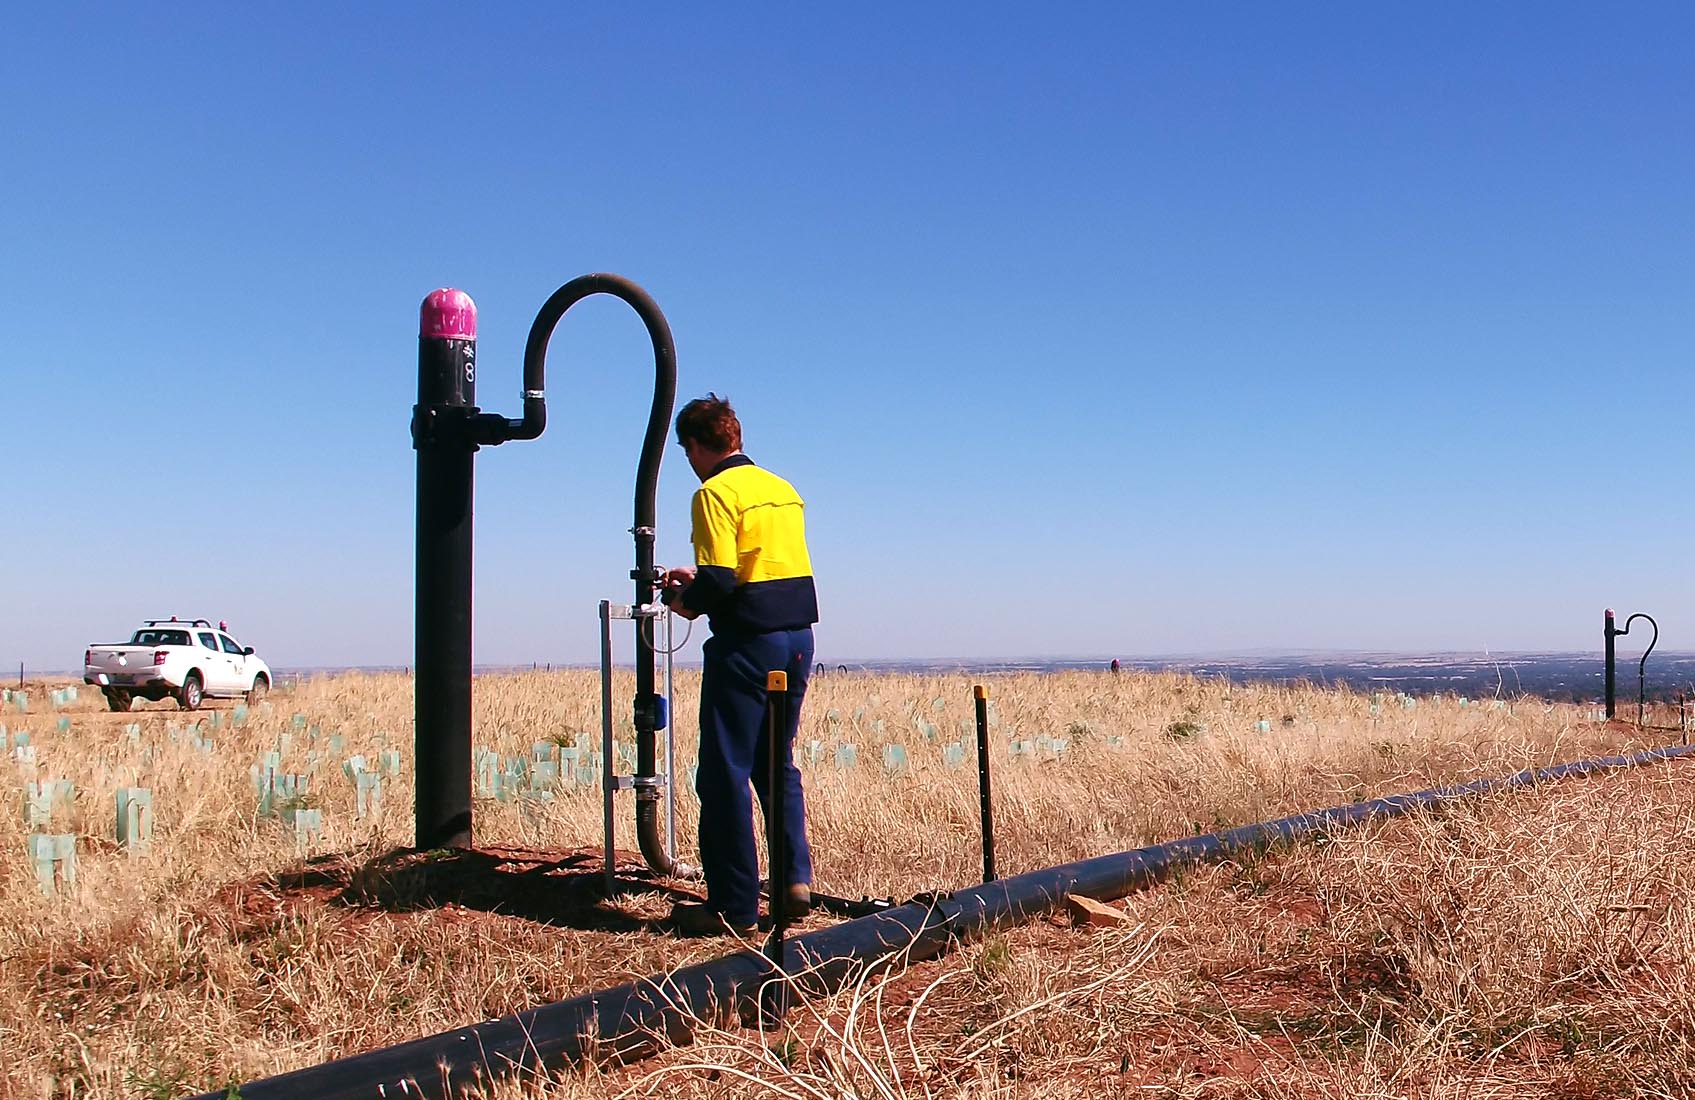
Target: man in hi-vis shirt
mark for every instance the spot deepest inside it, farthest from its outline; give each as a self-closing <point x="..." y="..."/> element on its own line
<point x="753" y="581"/>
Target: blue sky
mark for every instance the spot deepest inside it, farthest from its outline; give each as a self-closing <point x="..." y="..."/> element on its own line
<point x="1110" y="329"/>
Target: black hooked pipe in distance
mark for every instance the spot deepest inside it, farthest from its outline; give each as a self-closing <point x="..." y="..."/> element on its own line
<point x="647" y="715"/>
<point x="1642" y="665"/>
<point x="1609" y="632"/>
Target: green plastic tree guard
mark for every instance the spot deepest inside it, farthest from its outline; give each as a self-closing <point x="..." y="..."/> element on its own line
<point x="135" y="818"/>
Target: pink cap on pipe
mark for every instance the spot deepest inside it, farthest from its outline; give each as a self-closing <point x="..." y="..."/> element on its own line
<point x="448" y="315"/>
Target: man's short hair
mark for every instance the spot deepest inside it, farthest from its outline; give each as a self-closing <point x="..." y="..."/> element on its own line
<point x="710" y="422"/>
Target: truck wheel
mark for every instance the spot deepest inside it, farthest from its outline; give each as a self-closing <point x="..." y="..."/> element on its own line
<point x="117" y="700"/>
<point x="189" y="697"/>
<point x="260" y="687"/>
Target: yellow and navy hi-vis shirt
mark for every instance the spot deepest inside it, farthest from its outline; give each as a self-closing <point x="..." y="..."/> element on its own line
<point x="752" y="571"/>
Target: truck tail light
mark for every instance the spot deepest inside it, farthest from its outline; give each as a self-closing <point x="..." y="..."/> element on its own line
<point x="88" y="656"/>
<point x="158" y="656"/>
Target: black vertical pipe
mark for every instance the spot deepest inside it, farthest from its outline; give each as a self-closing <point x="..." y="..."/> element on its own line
<point x="774" y="998"/>
<point x="1607" y="632"/>
<point x="985" y="808"/>
<point x="447" y="388"/>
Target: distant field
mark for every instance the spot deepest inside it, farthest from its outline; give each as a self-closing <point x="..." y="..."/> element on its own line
<point x="1527" y="945"/>
<point x="1668" y="676"/>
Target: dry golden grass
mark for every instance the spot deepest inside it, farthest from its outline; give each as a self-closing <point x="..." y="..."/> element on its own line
<point x="1530" y="944"/>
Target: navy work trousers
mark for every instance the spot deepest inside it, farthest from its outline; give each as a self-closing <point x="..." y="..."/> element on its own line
<point x="734" y="750"/>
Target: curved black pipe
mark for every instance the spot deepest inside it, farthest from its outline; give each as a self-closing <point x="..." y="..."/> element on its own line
<point x="644" y="574"/>
<point x="1642" y="665"/>
<point x="632" y="1020"/>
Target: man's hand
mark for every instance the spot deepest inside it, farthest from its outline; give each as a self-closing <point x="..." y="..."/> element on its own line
<point x="673" y="582"/>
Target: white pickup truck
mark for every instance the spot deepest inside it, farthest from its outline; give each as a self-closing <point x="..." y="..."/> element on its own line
<point x="187" y="660"/>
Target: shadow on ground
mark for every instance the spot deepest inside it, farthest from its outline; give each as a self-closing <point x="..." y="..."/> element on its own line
<point x="565" y="889"/>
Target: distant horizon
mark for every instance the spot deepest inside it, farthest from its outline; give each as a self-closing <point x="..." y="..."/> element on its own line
<point x="621" y="659"/>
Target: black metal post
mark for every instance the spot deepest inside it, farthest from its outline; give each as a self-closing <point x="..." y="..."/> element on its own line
<point x="774" y="998"/>
<point x="1608" y="632"/>
<point x="986" y="811"/>
<point x="607" y="753"/>
<point x="447" y="389"/>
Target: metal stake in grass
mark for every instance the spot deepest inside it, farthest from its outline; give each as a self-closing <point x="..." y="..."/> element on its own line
<point x="773" y="1000"/>
<point x="980" y="695"/>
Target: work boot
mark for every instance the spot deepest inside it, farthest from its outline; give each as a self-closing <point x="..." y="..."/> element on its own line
<point x="797" y="901"/>
<point x="694" y="918"/>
